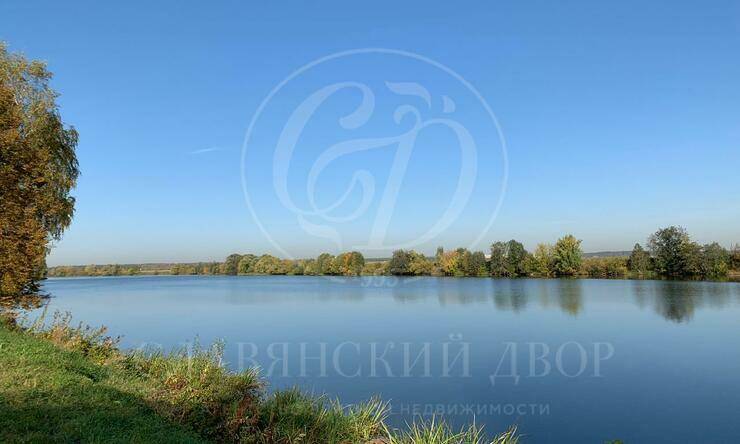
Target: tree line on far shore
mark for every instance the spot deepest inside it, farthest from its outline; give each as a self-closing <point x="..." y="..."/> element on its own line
<point x="669" y="253"/>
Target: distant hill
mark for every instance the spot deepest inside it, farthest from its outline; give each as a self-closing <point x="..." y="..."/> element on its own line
<point x="608" y="254"/>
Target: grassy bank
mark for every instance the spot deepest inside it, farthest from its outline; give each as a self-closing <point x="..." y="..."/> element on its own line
<point x="51" y="394"/>
<point x="65" y="383"/>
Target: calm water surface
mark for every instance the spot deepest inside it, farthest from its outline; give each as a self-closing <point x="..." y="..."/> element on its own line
<point x="566" y="360"/>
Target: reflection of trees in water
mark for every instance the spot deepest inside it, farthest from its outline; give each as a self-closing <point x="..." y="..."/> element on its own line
<point x="570" y="295"/>
<point x="673" y="300"/>
<point x="677" y="301"/>
<point x="510" y="294"/>
<point x="719" y="294"/>
<point x="462" y="295"/>
<point x="515" y="294"/>
<point x="675" y="304"/>
<point x="643" y="291"/>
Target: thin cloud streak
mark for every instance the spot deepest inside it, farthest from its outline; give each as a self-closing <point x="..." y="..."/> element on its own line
<point x="206" y="150"/>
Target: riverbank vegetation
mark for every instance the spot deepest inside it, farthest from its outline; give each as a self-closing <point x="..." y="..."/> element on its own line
<point x="669" y="253"/>
<point x="38" y="168"/>
<point x="66" y="383"/>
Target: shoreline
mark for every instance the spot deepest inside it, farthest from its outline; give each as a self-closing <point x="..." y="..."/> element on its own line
<point x="733" y="277"/>
<point x="86" y="387"/>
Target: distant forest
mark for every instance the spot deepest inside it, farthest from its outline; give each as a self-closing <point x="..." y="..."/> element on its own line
<point x="669" y="253"/>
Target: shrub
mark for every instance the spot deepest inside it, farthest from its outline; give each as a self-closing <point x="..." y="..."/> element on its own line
<point x="91" y="342"/>
<point x="194" y="389"/>
<point x="604" y="267"/>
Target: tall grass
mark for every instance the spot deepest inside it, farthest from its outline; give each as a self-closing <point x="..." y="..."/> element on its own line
<point x="93" y="343"/>
<point x="437" y="432"/>
<point x="292" y="416"/>
<point x="192" y="388"/>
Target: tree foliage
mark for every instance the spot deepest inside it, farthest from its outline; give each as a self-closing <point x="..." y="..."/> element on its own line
<point x="672" y="251"/>
<point x="515" y="258"/>
<point x="639" y="260"/>
<point x="38" y="169"/>
<point x="605" y="267"/>
<point x="675" y="255"/>
<point x="350" y="264"/>
<point x="715" y="261"/>
<point x="540" y="263"/>
<point x="497" y="264"/>
<point x="508" y="259"/>
<point x="567" y="256"/>
<point x="325" y="264"/>
<point x="246" y="264"/>
<point x="400" y="263"/>
<point x="230" y="266"/>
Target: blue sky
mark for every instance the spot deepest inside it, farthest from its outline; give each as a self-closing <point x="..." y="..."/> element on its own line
<point x="619" y="118"/>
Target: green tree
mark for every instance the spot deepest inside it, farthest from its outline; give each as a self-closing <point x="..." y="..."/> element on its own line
<point x="515" y="256"/>
<point x="310" y="267"/>
<point x="469" y="263"/>
<point x="465" y="266"/>
<point x="298" y="267"/>
<point x="350" y="264"/>
<point x="439" y="253"/>
<point x="735" y="257"/>
<point x="567" y="256"/>
<point x="508" y="259"/>
<point x="694" y="259"/>
<point x="38" y="169"/>
<point x="437" y="268"/>
<point x="287" y="266"/>
<point x="540" y="263"/>
<point x="325" y="264"/>
<point x="268" y="264"/>
<point x="715" y="261"/>
<point x="399" y="263"/>
<point x="673" y="252"/>
<point x="498" y="261"/>
<point x="639" y="261"/>
<point x="419" y="265"/>
<point x="246" y="264"/>
<point x="230" y="266"/>
<point x="452" y="263"/>
<point x="478" y="265"/>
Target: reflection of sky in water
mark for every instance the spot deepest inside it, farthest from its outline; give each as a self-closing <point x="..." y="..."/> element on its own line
<point x="673" y="376"/>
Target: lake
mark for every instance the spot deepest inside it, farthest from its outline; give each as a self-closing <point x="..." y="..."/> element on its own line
<point x="565" y="360"/>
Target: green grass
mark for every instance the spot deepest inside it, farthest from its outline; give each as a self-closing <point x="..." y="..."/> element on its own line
<point x="292" y="416"/>
<point x="48" y="394"/>
<point x="65" y="383"/>
<point x="434" y="432"/>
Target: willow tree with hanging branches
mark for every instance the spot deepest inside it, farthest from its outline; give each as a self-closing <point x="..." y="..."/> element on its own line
<point x="38" y="169"/>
